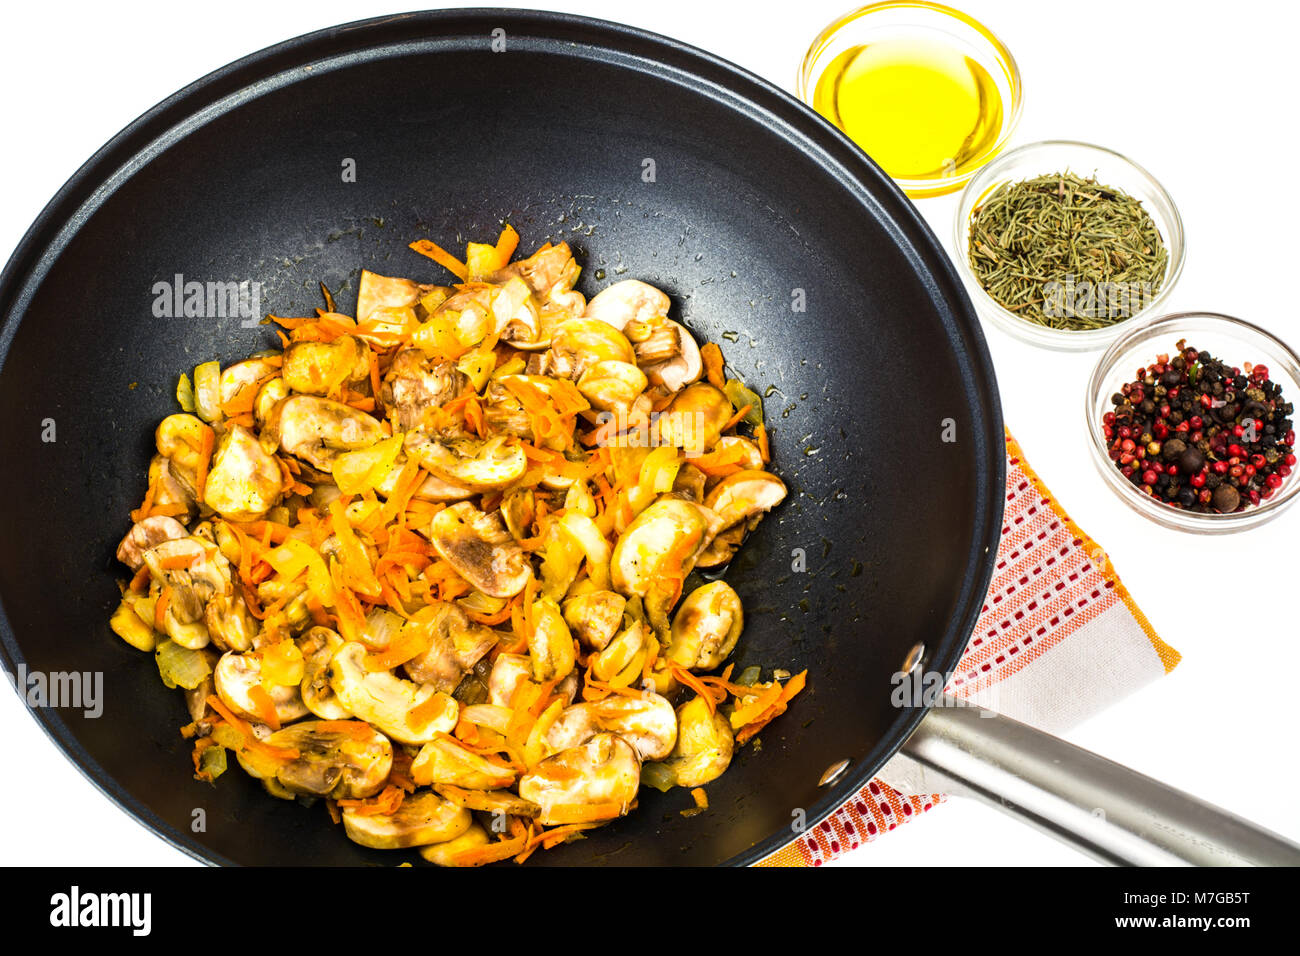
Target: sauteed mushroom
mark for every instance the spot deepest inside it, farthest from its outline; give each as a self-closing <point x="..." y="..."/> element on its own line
<point x="481" y="550"/>
<point x="318" y="430"/>
<point x="647" y="722"/>
<point x="422" y="819"/>
<point x="239" y="676"/>
<point x="404" y="711"/>
<point x="705" y="744"/>
<point x="323" y="368"/>
<point x="707" y="627"/>
<point x="343" y="763"/>
<point x="244" y="482"/>
<point x="605" y="772"/>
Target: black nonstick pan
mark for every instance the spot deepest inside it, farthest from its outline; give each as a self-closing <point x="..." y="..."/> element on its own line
<point x="328" y="154"/>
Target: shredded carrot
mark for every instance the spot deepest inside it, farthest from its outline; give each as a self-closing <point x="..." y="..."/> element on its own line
<point x="500" y="617"/>
<point x="760" y="435"/>
<point x="373" y="358"/>
<point x="139" y="514"/>
<point x="793" y="686"/>
<point x="139" y="580"/>
<point x="441" y="256"/>
<point x="265" y="707"/>
<point x="386" y="804"/>
<point x="690" y="680"/>
<point x="160" y="608"/>
<point x="507" y="242"/>
<point x="700" y="797"/>
<point x="735" y="419"/>
<point x="712" y="358"/>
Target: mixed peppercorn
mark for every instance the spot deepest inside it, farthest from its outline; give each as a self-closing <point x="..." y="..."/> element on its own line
<point x="1200" y="435"/>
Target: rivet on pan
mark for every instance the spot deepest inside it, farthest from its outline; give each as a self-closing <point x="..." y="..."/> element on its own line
<point x="913" y="660"/>
<point x="833" y="772"/>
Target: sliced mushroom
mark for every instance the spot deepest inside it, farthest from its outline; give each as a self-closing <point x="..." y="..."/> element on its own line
<point x="195" y="571"/>
<point x="457" y="645"/>
<point x="511" y="671"/>
<point x="704" y="746"/>
<point x="377" y="292"/>
<point x="146" y="534"/>
<point x="406" y="712"/>
<point x="248" y="374"/>
<point x="318" y="646"/>
<point x="268" y="398"/>
<point x="722" y="548"/>
<point x="179" y="439"/>
<point x="443" y="761"/>
<point x="323" y="368"/>
<point x="231" y="626"/>
<point x="671" y="527"/>
<point x="481" y="550"/>
<point x="169" y="489"/>
<point x="480" y="464"/>
<point x="433" y="488"/>
<point x="604" y="771"/>
<point x="611" y="385"/>
<point x="417" y="385"/>
<point x="343" y="763"/>
<point x="550" y="645"/>
<point x="448" y="852"/>
<point x="236" y="675"/>
<point x="244" y="482"/>
<point x="578" y="344"/>
<point x="707" y="627"/>
<point x="630" y="300"/>
<point x="647" y="722"/>
<point x="694" y="419"/>
<point x="318" y="430"/>
<point x="518" y="509"/>
<point x="670" y="357"/>
<point x="745" y="495"/>
<point x="422" y="819"/>
<point x="489" y="801"/>
<point x="595" y="617"/>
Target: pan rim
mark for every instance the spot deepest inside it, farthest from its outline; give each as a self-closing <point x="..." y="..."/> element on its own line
<point x="343" y="44"/>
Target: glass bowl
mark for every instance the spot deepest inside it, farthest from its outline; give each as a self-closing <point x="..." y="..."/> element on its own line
<point x="917" y="20"/>
<point x="1230" y="340"/>
<point x="1111" y="169"/>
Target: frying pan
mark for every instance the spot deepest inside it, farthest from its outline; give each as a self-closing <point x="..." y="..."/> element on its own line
<point x="653" y="160"/>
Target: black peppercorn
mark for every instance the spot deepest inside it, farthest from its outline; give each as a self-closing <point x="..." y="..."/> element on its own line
<point x="1191" y="461"/>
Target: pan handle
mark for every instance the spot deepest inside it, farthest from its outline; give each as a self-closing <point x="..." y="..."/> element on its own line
<point x="1098" y="806"/>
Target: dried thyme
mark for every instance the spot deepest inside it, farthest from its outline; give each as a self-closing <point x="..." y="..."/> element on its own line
<point x="1067" y="252"/>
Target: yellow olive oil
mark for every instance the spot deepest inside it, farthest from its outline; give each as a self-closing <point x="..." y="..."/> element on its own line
<point x="920" y="109"/>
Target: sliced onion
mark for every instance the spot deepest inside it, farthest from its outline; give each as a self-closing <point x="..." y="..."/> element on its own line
<point x="179" y="666"/>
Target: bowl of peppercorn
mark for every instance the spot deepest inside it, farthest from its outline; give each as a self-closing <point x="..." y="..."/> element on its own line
<point x="1191" y="418"/>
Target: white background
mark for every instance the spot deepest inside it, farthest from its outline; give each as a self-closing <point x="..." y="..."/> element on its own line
<point x="1201" y="94"/>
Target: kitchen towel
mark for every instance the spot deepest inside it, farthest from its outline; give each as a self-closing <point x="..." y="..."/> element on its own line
<point x="1058" y="640"/>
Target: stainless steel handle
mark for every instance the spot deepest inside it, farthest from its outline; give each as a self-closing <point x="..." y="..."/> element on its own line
<point x="1098" y="806"/>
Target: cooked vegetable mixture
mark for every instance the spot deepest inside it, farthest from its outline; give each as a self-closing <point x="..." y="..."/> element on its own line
<point x="428" y="565"/>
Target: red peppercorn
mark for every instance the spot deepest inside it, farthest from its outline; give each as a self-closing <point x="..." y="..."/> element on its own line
<point x="1283" y="470"/>
<point x="1127" y="444"/>
<point x="1158" y="468"/>
<point x="1236" y="471"/>
<point x="1196" y="421"/>
<point x="1164" y="411"/>
<point x="1220" y="467"/>
<point x="1249" y="470"/>
<point x="1125" y="458"/>
<point x="1273" y="481"/>
<point x="1149" y="477"/>
<point x="1260" y="373"/>
<point x="1108" y="418"/>
<point x="1205" y="496"/>
<point x="1182" y="427"/>
<point x="1290" y="437"/>
<point x="1238" y="431"/>
<point x="1160" y="430"/>
<point x="1196" y="436"/>
<point x="1257" y="460"/>
<point x="1125" y="431"/>
<point x="1254" y="496"/>
<point x="1197" y="480"/>
<point x="1236" y="451"/>
<point x="1289" y="459"/>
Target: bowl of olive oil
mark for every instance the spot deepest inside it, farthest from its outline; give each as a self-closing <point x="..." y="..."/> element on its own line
<point x="928" y="92"/>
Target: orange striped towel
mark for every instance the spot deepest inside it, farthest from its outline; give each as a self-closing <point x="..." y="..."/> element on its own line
<point x="1057" y="622"/>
